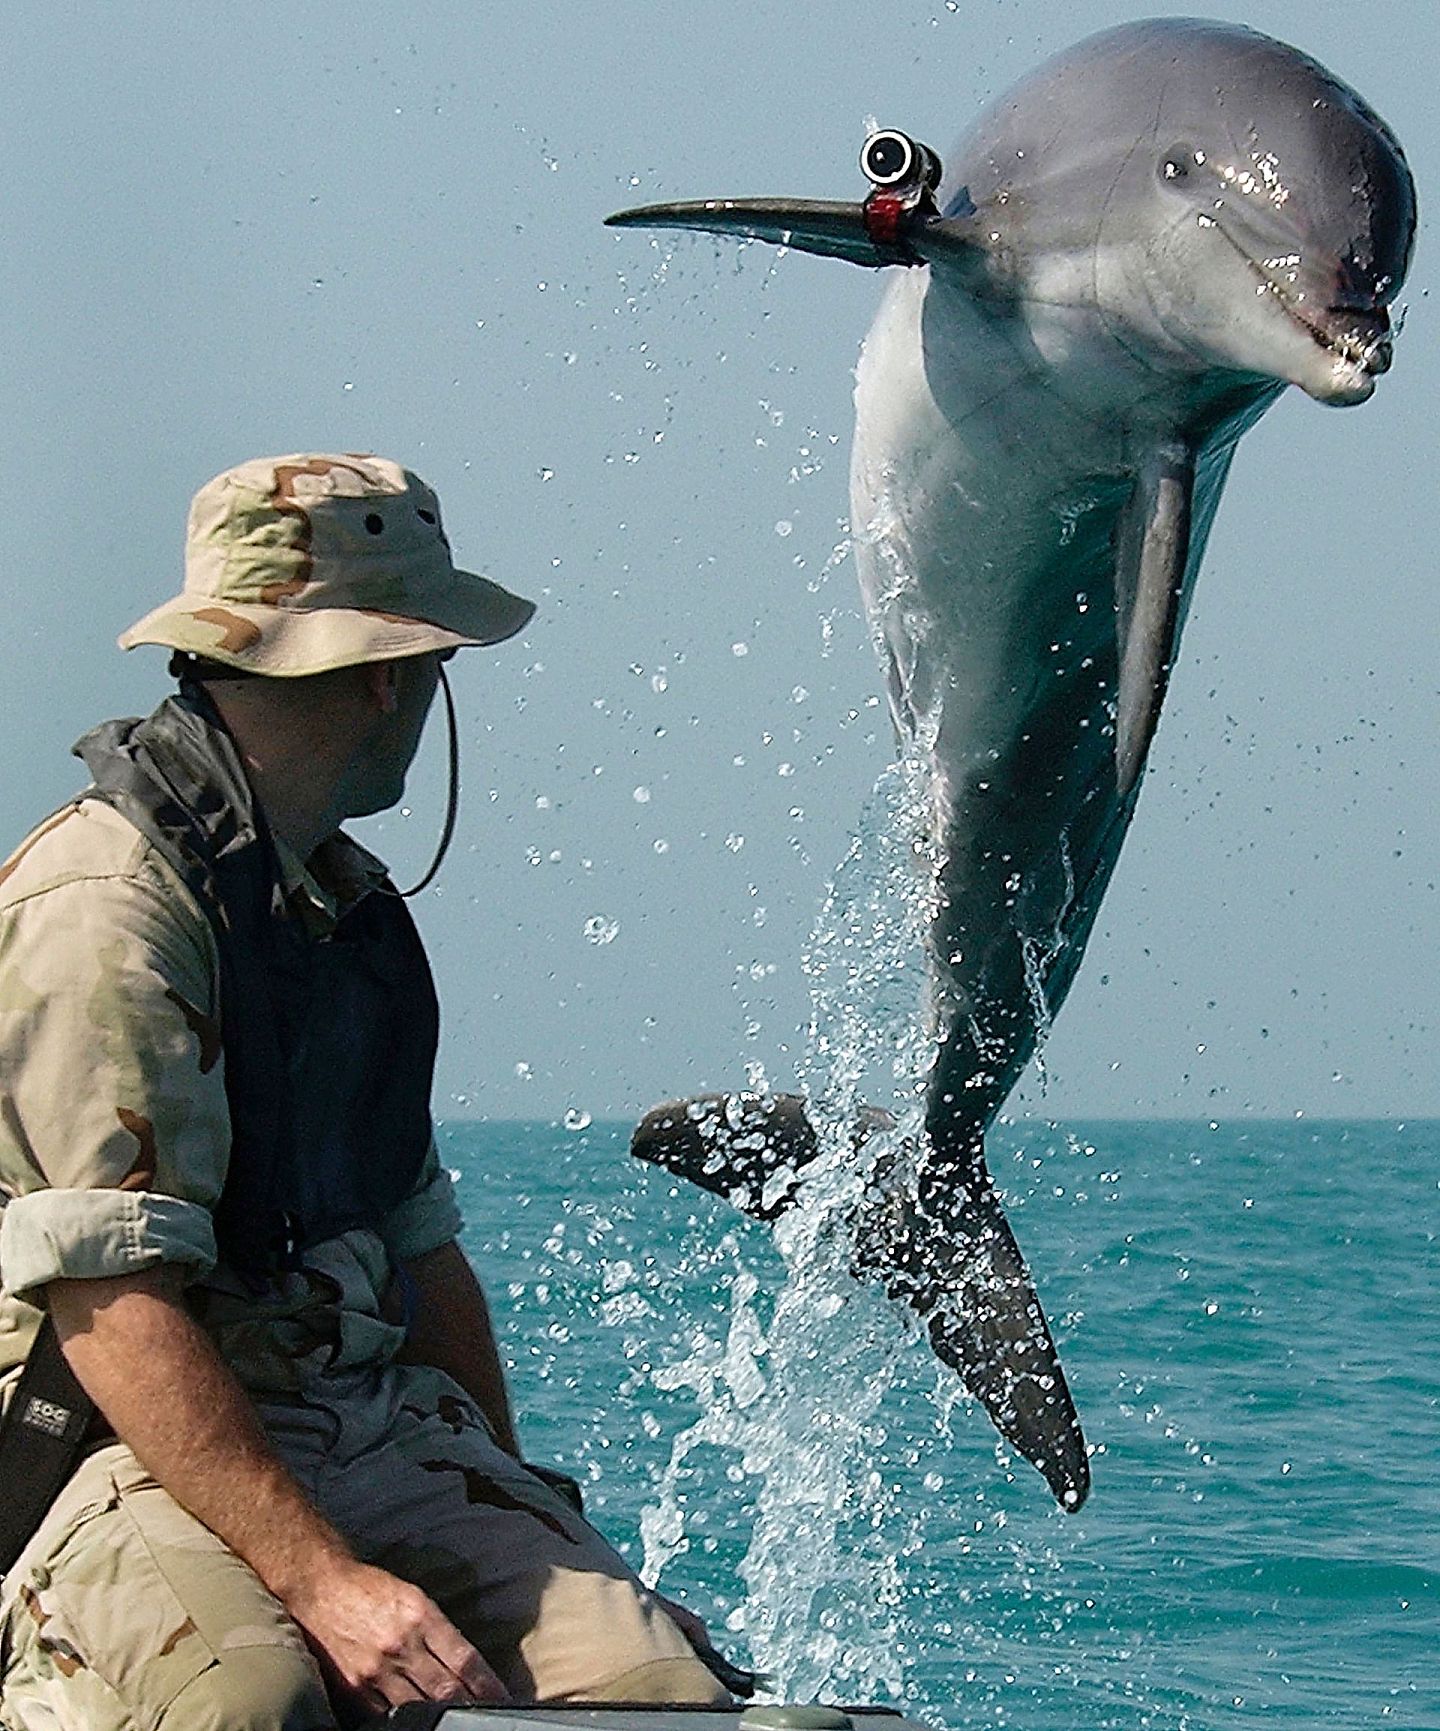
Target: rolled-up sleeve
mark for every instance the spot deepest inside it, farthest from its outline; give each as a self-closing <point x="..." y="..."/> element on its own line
<point x="94" y="1234"/>
<point x="428" y="1217"/>
<point x="114" y="1126"/>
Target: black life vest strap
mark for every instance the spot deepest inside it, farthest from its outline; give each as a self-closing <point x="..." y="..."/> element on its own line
<point x="46" y="1428"/>
<point x="329" y="1046"/>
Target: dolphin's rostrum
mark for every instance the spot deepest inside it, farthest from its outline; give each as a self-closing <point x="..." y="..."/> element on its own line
<point x="1135" y="250"/>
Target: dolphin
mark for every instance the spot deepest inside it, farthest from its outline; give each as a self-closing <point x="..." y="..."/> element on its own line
<point x="1135" y="250"/>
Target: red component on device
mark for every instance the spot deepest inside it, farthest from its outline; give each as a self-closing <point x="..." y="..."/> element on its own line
<point x="886" y="217"/>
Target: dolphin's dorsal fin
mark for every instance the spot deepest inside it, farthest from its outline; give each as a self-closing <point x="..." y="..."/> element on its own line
<point x="1152" y="555"/>
<point x="948" y="1252"/>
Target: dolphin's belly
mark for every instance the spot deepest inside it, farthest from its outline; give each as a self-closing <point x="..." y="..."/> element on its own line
<point x="985" y="505"/>
<point x="984" y="541"/>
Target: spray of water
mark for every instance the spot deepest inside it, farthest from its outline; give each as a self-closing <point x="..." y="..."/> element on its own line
<point x="1038" y="956"/>
<point x="798" y="1398"/>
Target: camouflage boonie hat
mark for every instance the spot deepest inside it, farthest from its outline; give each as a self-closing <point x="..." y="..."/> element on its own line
<point x="297" y="565"/>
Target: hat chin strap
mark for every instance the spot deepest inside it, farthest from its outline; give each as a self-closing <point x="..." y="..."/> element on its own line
<point x="452" y="805"/>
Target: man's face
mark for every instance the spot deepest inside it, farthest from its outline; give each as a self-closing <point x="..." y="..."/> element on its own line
<point x="384" y="761"/>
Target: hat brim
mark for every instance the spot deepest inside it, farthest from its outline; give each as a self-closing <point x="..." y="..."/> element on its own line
<point x="467" y="611"/>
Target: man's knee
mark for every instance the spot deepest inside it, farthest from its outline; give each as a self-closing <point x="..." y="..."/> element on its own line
<point x="593" y="1635"/>
<point x="254" y="1689"/>
<point x="673" y="1682"/>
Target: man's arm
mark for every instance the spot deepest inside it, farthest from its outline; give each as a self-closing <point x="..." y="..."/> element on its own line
<point x="451" y="1330"/>
<point x="157" y="1378"/>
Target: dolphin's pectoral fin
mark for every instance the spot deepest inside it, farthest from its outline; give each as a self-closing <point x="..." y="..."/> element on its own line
<point x="831" y="229"/>
<point x="949" y="1254"/>
<point x="825" y="227"/>
<point x="961" y="1268"/>
<point x="899" y="222"/>
<point x="1152" y="555"/>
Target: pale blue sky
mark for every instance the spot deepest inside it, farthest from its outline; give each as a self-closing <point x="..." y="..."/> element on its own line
<point x="356" y="226"/>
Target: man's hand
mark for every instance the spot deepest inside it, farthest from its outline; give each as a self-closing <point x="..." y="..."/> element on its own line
<point x="383" y="1642"/>
<point x="156" y="1376"/>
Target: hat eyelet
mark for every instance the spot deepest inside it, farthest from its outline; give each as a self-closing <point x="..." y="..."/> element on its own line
<point x="375" y="523"/>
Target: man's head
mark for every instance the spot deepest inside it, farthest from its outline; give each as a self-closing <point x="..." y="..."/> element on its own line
<point x="320" y="599"/>
<point x="298" y="565"/>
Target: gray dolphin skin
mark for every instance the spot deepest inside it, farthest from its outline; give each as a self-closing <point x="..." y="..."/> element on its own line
<point x="1134" y="251"/>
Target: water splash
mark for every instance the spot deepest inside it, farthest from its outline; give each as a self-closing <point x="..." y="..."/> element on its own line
<point x="798" y="1399"/>
<point x="1038" y="956"/>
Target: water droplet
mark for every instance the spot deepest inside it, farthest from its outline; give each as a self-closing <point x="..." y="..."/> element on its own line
<point x="599" y="930"/>
<point x="784" y="527"/>
<point x="641" y="796"/>
<point x="576" y="1118"/>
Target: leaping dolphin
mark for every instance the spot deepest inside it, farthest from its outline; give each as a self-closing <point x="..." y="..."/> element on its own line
<point x="1135" y="250"/>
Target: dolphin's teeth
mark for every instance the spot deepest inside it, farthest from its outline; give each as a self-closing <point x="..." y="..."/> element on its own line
<point x="1361" y="336"/>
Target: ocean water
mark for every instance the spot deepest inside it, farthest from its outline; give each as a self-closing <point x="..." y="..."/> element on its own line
<point x="1249" y="1317"/>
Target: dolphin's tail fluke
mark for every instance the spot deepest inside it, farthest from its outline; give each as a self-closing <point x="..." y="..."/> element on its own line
<point x="947" y="1251"/>
<point x="967" y="1278"/>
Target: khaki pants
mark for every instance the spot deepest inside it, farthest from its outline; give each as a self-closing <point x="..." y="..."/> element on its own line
<point x="125" y="1614"/>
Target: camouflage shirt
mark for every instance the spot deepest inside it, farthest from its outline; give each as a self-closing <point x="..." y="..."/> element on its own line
<point x="114" y="1125"/>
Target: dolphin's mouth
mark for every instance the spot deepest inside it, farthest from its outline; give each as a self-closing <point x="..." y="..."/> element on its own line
<point x="1360" y="336"/>
<point x="1356" y="337"/>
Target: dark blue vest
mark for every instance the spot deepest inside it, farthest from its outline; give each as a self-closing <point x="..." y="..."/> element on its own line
<point x="329" y="1043"/>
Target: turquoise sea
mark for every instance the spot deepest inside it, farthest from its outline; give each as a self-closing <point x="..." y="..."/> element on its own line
<point x="1249" y="1316"/>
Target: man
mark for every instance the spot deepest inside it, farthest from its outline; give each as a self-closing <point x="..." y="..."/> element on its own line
<point x="217" y="1030"/>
